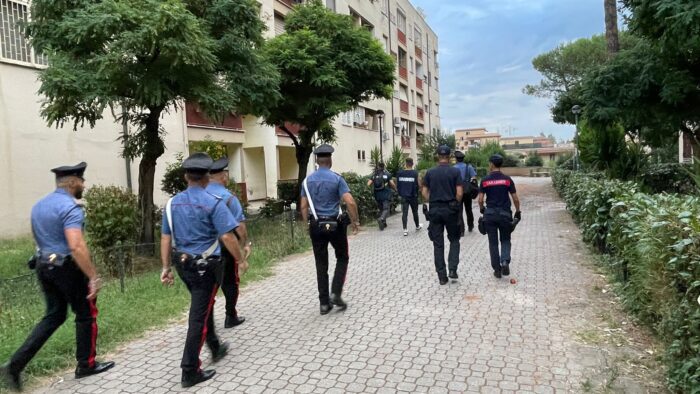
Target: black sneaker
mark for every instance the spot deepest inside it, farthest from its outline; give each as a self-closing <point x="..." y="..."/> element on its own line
<point x="505" y="268"/>
<point x="11" y="380"/>
<point x="190" y="379"/>
<point x="497" y="274"/>
<point x="233" y="321"/>
<point x="443" y="281"/>
<point x="453" y="274"/>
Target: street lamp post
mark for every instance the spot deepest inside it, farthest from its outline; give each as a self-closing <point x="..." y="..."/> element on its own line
<point x="576" y="109"/>
<point x="380" y="115"/>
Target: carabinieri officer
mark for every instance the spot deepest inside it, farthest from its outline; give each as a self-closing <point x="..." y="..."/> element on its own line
<point x="194" y="222"/>
<point x="66" y="274"/>
<point x="442" y="187"/>
<point x="218" y="179"/>
<point x="321" y="193"/>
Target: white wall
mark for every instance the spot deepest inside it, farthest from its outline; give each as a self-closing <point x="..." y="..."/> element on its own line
<point x="29" y="149"/>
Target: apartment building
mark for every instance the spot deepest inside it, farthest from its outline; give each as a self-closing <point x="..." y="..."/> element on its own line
<point x="466" y="139"/>
<point x="261" y="155"/>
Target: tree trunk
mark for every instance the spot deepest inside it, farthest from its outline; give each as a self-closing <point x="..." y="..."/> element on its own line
<point x="611" y="31"/>
<point x="153" y="149"/>
<point x="303" y="153"/>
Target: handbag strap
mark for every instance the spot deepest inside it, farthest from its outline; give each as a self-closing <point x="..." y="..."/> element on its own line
<point x="311" y="202"/>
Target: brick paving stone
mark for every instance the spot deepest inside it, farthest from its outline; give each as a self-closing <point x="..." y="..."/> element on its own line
<point x="402" y="331"/>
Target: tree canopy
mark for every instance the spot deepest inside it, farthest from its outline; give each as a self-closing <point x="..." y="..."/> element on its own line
<point x="327" y="65"/>
<point x="144" y="58"/>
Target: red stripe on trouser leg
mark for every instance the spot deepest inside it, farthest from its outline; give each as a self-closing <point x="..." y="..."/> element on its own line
<point x="210" y="310"/>
<point x="93" y="333"/>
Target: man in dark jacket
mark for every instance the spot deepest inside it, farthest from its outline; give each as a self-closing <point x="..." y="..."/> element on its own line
<point x="407" y="186"/>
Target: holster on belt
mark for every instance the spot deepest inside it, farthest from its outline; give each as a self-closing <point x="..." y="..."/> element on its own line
<point x="195" y="263"/>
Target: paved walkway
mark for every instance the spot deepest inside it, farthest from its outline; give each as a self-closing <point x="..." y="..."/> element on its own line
<point x="402" y="331"/>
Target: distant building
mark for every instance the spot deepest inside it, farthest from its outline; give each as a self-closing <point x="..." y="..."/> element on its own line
<point x="466" y="139"/>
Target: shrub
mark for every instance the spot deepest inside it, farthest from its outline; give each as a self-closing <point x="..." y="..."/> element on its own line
<point x="667" y="177"/>
<point x="174" y="178"/>
<point x="112" y="219"/>
<point x="287" y="191"/>
<point x="652" y="243"/>
<point x="396" y="161"/>
<point x="510" y="161"/>
<point x="363" y="195"/>
<point x="534" y="160"/>
<point x="272" y="207"/>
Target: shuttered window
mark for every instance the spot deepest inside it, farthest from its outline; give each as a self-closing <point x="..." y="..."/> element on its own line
<point x="279" y="24"/>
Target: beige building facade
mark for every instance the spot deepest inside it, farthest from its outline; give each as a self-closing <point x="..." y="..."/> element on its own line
<point x="260" y="155"/>
<point x="466" y="139"/>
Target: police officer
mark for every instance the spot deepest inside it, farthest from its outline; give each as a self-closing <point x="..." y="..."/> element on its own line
<point x="66" y="274"/>
<point x="497" y="189"/>
<point x="382" y="182"/>
<point x="468" y="175"/>
<point x="442" y="188"/>
<point x="218" y="180"/>
<point x="407" y="187"/>
<point x="195" y="222"/>
<point x="321" y="195"/>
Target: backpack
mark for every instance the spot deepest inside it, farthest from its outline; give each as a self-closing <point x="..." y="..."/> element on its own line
<point x="378" y="180"/>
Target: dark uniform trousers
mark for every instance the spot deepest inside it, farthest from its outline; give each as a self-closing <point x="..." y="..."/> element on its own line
<point x="383" y="205"/>
<point x="339" y="240"/>
<point x="231" y="282"/>
<point x="499" y="224"/>
<point x="467" y="202"/>
<point x="443" y="217"/>
<point x="413" y="203"/>
<point x="202" y="290"/>
<point x="62" y="286"/>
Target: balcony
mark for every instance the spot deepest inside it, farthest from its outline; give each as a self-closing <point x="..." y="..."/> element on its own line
<point x="196" y="118"/>
<point x="403" y="73"/>
<point x="291" y="3"/>
<point x="419" y="83"/>
<point x="420" y="113"/>
<point x="402" y="37"/>
<point x="419" y="53"/>
<point x="294" y="128"/>
<point x="406" y="142"/>
<point x="404" y="106"/>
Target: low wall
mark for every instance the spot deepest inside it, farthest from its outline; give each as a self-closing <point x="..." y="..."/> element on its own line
<point x="525" y="171"/>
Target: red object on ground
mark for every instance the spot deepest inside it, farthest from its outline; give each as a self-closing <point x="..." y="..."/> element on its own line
<point x="513" y="281"/>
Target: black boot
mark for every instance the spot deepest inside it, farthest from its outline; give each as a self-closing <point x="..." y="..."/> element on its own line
<point x="82" y="372"/>
<point x="497" y="273"/>
<point x="189" y="379"/>
<point x="337" y="301"/>
<point x="505" y="268"/>
<point x="326" y="308"/>
<point x="453" y="274"/>
<point x="10" y="379"/>
<point x="233" y="321"/>
<point x="220" y="353"/>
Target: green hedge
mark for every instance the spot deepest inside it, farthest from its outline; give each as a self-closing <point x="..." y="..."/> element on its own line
<point x="653" y="246"/>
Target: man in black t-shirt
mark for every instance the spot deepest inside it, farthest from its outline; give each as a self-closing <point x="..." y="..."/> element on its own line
<point x="497" y="189"/>
<point x="442" y="188"/>
<point x="407" y="186"/>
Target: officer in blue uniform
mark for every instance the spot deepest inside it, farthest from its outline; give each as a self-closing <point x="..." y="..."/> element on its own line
<point x="218" y="179"/>
<point x="442" y="188"/>
<point x="497" y="189"/>
<point x="468" y="175"/>
<point x="195" y="223"/>
<point x="407" y="185"/>
<point x="66" y="274"/>
<point x="321" y="195"/>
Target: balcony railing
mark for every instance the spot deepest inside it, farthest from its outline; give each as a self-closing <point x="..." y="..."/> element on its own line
<point x="196" y="117"/>
<point x="402" y="37"/>
<point x="419" y="53"/>
<point x="403" y="73"/>
<point x="404" y="106"/>
<point x="405" y="141"/>
<point x="419" y="83"/>
<point x="420" y="113"/>
<point x="291" y="2"/>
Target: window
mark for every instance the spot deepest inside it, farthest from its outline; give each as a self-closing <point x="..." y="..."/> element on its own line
<point x="410" y="63"/>
<point x="385" y="6"/>
<point x="363" y="156"/>
<point x="331" y="4"/>
<point x="359" y="116"/>
<point x="279" y="24"/>
<point x="346" y="118"/>
<point x="13" y="45"/>
<point x="401" y="20"/>
<point x="385" y="42"/>
<point x="418" y="37"/>
<point x="360" y="21"/>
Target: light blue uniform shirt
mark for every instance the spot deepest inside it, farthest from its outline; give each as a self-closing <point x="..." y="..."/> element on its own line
<point x="199" y="219"/>
<point x="466" y="171"/>
<point x="51" y="216"/>
<point x="231" y="201"/>
<point x="326" y="189"/>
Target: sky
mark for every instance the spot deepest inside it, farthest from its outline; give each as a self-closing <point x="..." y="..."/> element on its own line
<point x="486" y="49"/>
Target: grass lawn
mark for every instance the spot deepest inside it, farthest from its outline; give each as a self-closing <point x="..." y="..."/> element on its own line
<point x="22" y="303"/>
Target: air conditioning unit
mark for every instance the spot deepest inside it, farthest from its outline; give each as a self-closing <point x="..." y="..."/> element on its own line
<point x="385" y="137"/>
